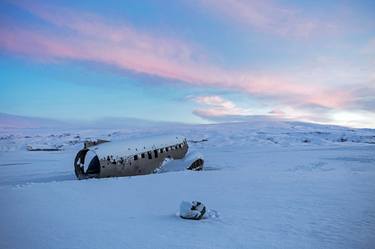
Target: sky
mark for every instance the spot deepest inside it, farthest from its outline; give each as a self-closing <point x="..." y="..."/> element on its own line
<point x="192" y="61"/>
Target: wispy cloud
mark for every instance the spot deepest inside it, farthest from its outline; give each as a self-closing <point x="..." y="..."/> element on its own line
<point x="217" y="106"/>
<point x="217" y="109"/>
<point x="269" y="17"/>
<point x="91" y="38"/>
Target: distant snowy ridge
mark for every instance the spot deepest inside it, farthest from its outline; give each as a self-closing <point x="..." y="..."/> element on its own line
<point x="10" y="121"/>
<point x="257" y="133"/>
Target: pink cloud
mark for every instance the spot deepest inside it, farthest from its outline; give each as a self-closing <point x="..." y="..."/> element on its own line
<point x="93" y="39"/>
<point x="217" y="106"/>
<point x="217" y="109"/>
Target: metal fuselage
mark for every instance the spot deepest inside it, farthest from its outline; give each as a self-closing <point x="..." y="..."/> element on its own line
<point x="128" y="159"/>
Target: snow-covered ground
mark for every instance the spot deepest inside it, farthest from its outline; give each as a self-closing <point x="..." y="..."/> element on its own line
<point x="270" y="185"/>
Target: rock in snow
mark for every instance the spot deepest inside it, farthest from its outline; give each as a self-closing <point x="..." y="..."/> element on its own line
<point x="194" y="210"/>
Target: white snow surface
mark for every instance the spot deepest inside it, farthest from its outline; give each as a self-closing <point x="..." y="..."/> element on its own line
<point x="267" y="185"/>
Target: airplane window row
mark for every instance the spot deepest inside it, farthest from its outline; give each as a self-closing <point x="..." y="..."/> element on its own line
<point x="149" y="153"/>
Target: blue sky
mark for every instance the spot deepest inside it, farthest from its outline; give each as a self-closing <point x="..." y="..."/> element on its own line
<point x="189" y="61"/>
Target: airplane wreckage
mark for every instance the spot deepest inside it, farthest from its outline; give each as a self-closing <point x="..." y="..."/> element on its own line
<point x="101" y="158"/>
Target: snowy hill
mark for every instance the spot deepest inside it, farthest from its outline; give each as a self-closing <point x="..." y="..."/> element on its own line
<point x="256" y="132"/>
<point x="9" y="121"/>
<point x="272" y="184"/>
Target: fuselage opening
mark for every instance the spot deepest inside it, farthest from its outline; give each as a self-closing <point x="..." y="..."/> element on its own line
<point x="87" y="164"/>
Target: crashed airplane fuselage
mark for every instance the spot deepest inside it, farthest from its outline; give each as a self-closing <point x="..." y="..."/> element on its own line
<point x="129" y="158"/>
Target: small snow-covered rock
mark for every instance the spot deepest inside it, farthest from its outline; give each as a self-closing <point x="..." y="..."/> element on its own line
<point x="192" y="210"/>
